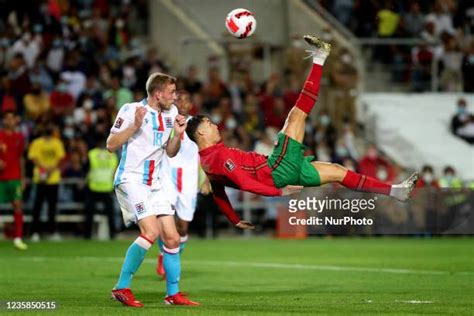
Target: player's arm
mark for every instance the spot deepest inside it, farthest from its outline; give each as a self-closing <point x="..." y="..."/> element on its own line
<point x="120" y="136"/>
<point x="246" y="183"/>
<point x="204" y="185"/>
<point x="174" y="143"/>
<point x="223" y="203"/>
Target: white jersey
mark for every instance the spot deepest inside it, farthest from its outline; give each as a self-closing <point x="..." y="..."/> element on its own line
<point x="183" y="168"/>
<point x="143" y="152"/>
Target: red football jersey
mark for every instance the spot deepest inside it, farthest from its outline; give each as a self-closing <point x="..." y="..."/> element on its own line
<point x="15" y="144"/>
<point x="247" y="171"/>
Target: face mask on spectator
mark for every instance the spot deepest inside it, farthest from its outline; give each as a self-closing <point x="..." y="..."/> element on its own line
<point x="341" y="151"/>
<point x="325" y="120"/>
<point x="461" y="110"/>
<point x="88" y="104"/>
<point x="216" y="118"/>
<point x="4" y="42"/>
<point x="231" y="123"/>
<point x="68" y="132"/>
<point x="119" y="24"/>
<point x="428" y="177"/>
<point x="382" y="174"/>
<point x="62" y="87"/>
<point x="449" y="176"/>
<point x="57" y="43"/>
<point x="37" y="28"/>
<point x="346" y="58"/>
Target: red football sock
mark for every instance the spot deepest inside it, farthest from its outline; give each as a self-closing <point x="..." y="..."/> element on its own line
<point x="310" y="91"/>
<point x="18" y="219"/>
<point x="360" y="182"/>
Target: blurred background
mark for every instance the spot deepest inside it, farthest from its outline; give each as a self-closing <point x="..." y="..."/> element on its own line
<point x="396" y="97"/>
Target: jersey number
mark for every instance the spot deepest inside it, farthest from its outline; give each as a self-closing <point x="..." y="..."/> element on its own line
<point x="157" y="139"/>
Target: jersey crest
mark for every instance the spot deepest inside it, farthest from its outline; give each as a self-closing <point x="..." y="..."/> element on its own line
<point x="229" y="165"/>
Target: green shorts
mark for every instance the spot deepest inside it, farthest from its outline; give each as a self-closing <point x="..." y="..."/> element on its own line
<point x="10" y="191"/>
<point x="289" y="166"/>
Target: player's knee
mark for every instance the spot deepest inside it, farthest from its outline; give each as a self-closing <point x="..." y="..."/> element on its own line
<point x="171" y="242"/>
<point x="339" y="171"/>
<point x="182" y="228"/>
<point x="151" y="234"/>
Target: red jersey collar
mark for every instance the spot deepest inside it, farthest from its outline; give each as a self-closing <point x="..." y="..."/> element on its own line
<point x="211" y="148"/>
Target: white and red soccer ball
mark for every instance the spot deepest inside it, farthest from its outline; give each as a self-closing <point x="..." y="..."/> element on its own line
<point x="241" y="23"/>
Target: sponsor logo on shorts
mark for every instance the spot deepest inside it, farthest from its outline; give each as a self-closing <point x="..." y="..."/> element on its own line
<point x="118" y="122"/>
<point x="140" y="207"/>
<point x="229" y="165"/>
<point x="168" y="122"/>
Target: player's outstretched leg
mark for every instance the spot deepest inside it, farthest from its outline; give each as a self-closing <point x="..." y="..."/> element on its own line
<point x="133" y="259"/>
<point x="330" y="172"/>
<point x="295" y="122"/>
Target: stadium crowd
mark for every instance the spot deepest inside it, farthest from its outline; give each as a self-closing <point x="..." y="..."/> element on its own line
<point x="66" y="69"/>
<point x="445" y="29"/>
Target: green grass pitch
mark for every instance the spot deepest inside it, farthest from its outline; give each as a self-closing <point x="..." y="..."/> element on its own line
<point x="317" y="276"/>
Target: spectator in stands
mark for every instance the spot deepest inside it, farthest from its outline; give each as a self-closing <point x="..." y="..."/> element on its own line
<point x="55" y="56"/>
<point x="468" y="68"/>
<point x="373" y="165"/>
<point x="7" y="98"/>
<point x="422" y="57"/>
<point x="441" y="18"/>
<point x="40" y="74"/>
<point x="414" y="20"/>
<point x="388" y="20"/>
<point x="466" y="132"/>
<point x="266" y="142"/>
<point x="325" y="131"/>
<point x="121" y="94"/>
<point x="343" y="10"/>
<point x="251" y="117"/>
<point x="28" y="47"/>
<point x="191" y="81"/>
<point x="36" y="102"/>
<point x="62" y="102"/>
<point x="46" y="154"/>
<point x="342" y="89"/>
<point x="461" y="121"/>
<point x="214" y="89"/>
<point x="19" y="80"/>
<point x="100" y="184"/>
<point x="92" y="92"/>
<point x="427" y="178"/>
<point x="451" y="76"/>
<point x="450" y="179"/>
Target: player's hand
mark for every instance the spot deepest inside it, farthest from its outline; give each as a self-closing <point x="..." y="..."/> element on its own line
<point x="3" y="148"/>
<point x="206" y="188"/>
<point x="245" y="225"/>
<point x="290" y="189"/>
<point x="140" y="113"/>
<point x="180" y="124"/>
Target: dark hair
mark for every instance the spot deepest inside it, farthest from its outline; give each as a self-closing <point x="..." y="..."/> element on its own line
<point x="427" y="168"/>
<point x="5" y="113"/>
<point x="449" y="169"/>
<point x="193" y="125"/>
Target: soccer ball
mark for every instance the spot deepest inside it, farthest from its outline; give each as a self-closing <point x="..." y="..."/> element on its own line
<point x="241" y="23"/>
